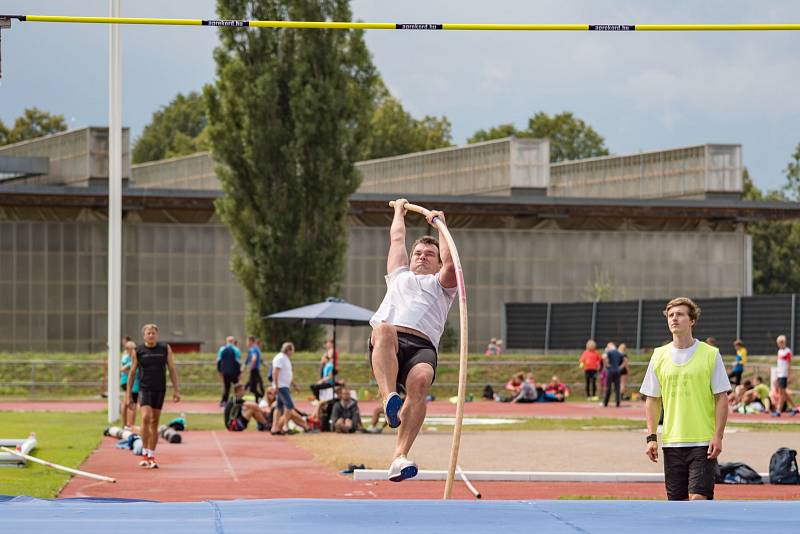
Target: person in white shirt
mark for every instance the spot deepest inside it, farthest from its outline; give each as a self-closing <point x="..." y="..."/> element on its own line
<point x="784" y="369"/>
<point x="688" y="378"/>
<point x="406" y="330"/>
<point x="283" y="383"/>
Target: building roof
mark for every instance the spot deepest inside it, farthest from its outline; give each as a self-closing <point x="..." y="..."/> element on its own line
<point x="361" y="204"/>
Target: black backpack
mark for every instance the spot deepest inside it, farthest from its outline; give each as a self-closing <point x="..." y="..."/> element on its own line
<point x="737" y="473"/>
<point x="783" y="467"/>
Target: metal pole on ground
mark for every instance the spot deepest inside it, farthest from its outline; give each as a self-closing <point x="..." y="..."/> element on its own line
<point x="114" y="211"/>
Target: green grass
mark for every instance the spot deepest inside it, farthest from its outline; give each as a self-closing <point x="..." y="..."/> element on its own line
<point x="63" y="438"/>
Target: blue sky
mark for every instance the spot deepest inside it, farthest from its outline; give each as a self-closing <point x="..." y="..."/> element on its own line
<point x="641" y="91"/>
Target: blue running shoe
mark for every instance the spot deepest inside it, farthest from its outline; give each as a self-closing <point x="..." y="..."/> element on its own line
<point x="391" y="408"/>
<point x="402" y="469"/>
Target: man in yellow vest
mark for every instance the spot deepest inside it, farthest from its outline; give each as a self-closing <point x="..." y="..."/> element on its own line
<point x="689" y="379"/>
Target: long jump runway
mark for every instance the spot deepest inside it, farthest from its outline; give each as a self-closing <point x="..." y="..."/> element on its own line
<point x="23" y="514"/>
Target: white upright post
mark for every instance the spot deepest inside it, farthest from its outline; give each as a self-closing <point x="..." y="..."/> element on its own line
<point x="114" y="212"/>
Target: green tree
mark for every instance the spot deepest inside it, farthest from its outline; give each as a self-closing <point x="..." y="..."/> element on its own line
<point x="570" y="137"/>
<point x="177" y="129"/>
<point x="496" y="132"/>
<point x="393" y="131"/>
<point x="288" y="115"/>
<point x="32" y="124"/>
<point x="776" y="264"/>
<point x="792" y="186"/>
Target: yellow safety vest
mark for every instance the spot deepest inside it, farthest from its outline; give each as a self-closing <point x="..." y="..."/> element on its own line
<point x="689" y="408"/>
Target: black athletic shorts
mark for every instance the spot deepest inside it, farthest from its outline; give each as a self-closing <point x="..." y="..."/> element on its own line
<point x="783" y="382"/>
<point x="411" y="350"/>
<point x="134" y="394"/>
<point x="688" y="470"/>
<point x="154" y="399"/>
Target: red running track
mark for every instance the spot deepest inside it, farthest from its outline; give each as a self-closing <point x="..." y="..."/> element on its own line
<point x="223" y="465"/>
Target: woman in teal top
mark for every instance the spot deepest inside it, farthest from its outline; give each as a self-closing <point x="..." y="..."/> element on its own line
<point x="128" y="413"/>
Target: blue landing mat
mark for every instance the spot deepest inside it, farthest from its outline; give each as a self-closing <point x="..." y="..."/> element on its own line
<point x="84" y="516"/>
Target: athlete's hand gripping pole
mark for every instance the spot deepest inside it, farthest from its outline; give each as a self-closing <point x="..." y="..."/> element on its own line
<point x="462" y="365"/>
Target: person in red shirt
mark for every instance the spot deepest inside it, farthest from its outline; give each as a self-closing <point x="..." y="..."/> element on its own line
<point x="590" y="362"/>
<point x="555" y="391"/>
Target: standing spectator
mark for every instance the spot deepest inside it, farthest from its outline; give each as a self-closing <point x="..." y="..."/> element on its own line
<point x="689" y="379"/>
<point x="283" y="383"/>
<point x="613" y="360"/>
<point x="128" y="410"/>
<point x="154" y="358"/>
<point x="741" y="360"/>
<point x="590" y="363"/>
<point x="784" y="370"/>
<point x="491" y="348"/>
<point x="500" y="347"/>
<point x="346" y="416"/>
<point x="228" y="357"/>
<point x="326" y="371"/>
<point x="624" y="369"/>
<point x="555" y="391"/>
<point x="255" y="384"/>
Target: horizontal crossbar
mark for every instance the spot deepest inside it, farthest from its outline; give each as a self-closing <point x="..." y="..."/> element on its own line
<point x="403" y="26"/>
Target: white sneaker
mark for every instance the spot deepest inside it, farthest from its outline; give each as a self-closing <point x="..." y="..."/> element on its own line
<point x="402" y="469"/>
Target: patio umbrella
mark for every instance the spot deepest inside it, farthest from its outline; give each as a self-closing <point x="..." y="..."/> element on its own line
<point x="333" y="311"/>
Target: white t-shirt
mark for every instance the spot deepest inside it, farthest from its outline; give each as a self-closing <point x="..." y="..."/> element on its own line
<point x="784" y="359"/>
<point x="281" y="361"/>
<point x="415" y="301"/>
<point x="719" y="381"/>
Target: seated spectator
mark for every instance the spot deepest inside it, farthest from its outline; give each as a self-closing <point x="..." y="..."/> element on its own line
<point x="376" y="418"/>
<point x="737" y="393"/>
<point x="267" y="406"/>
<point x="527" y="390"/>
<point x="555" y="391"/>
<point x="759" y="394"/>
<point x="491" y="348"/>
<point x="345" y="416"/>
<point x="515" y="383"/>
<point x="238" y="412"/>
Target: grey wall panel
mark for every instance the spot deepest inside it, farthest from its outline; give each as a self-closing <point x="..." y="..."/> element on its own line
<point x="717" y="320"/>
<point x="616" y="322"/>
<point x="764" y="318"/>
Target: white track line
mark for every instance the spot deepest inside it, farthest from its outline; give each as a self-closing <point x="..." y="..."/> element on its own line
<point x="528" y="476"/>
<point x="225" y="457"/>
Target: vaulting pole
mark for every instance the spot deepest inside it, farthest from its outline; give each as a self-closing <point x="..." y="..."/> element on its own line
<point x="407" y="26"/>
<point x="462" y="362"/>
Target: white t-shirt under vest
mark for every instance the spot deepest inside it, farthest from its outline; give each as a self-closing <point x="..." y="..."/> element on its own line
<point x="415" y="301"/>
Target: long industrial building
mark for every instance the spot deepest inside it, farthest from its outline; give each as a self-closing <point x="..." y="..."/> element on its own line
<point x="648" y="225"/>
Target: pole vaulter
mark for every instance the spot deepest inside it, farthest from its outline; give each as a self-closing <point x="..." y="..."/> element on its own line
<point x="463" y="344"/>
